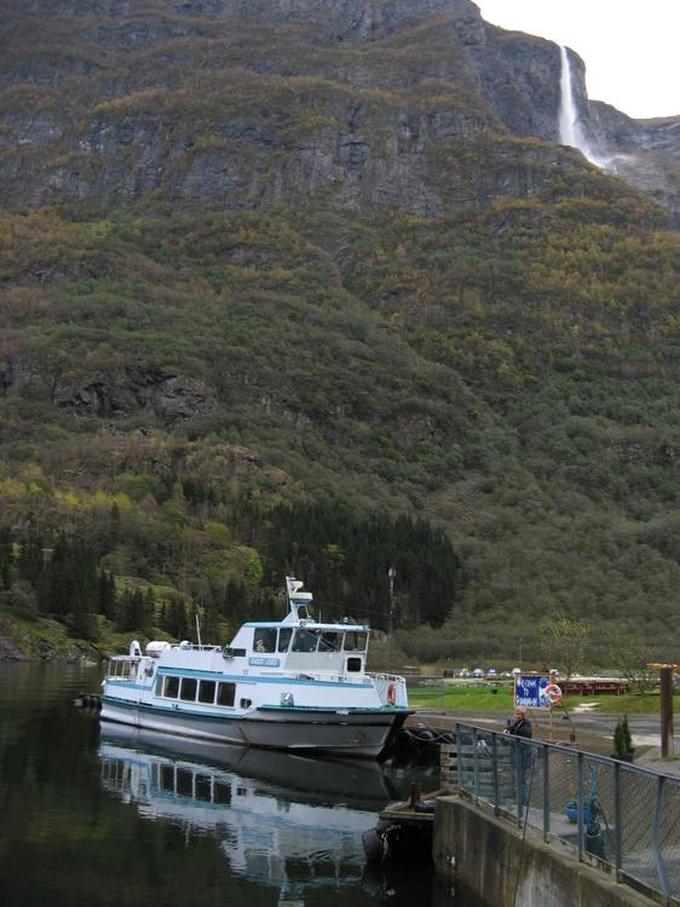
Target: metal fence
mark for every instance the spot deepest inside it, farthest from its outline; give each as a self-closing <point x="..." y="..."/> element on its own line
<point x="620" y="817"/>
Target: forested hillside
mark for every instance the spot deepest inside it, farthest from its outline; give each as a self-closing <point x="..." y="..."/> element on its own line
<point x="282" y="289"/>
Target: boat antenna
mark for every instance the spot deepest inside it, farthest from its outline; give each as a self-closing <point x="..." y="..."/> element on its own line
<point x="198" y="630"/>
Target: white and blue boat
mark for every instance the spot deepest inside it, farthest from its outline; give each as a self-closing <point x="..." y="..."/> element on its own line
<point x="293" y="684"/>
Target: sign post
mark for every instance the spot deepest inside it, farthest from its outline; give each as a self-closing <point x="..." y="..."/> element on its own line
<point x="537" y="691"/>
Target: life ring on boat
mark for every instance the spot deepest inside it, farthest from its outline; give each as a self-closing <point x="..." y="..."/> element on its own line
<point x="553" y="694"/>
<point x="391" y="694"/>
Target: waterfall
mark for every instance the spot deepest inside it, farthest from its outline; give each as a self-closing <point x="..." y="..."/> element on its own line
<point x="569" y="126"/>
<point x="568" y="113"/>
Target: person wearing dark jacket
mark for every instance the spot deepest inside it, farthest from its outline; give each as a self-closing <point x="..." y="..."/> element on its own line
<point x="520" y="725"/>
<point x="522" y="756"/>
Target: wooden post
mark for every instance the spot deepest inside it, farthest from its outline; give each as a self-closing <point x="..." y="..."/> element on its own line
<point x="666" y="701"/>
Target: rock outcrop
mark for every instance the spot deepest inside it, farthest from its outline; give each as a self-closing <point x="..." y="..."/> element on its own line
<point x="171" y="397"/>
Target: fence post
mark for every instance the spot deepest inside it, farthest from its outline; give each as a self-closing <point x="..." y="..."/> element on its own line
<point x="546" y="792"/>
<point x="517" y="758"/>
<point x="656" y="840"/>
<point x="494" y="756"/>
<point x="475" y="761"/>
<point x="444" y="767"/>
<point x="618" y="830"/>
<point x="580" y="802"/>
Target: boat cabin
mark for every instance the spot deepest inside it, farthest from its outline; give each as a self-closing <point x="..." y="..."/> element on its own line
<point x="332" y="648"/>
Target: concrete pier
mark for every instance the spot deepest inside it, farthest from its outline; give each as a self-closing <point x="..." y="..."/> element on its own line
<point x="490" y="857"/>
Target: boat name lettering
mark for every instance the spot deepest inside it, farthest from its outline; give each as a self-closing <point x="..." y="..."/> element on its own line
<point x="264" y="662"/>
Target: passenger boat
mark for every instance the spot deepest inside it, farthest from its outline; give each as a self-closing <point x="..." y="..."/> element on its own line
<point x="296" y="684"/>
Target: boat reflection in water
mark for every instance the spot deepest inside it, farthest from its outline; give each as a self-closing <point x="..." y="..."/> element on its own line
<point x="282" y="820"/>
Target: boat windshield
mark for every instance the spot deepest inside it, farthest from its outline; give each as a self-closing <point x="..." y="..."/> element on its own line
<point x="308" y="640"/>
<point x="305" y="640"/>
<point x="284" y="639"/>
<point x="265" y="639"/>
<point x="355" y="641"/>
<point x="331" y="641"/>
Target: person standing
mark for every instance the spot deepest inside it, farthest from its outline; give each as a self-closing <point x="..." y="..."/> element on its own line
<point x="520" y="725"/>
<point x="522" y="755"/>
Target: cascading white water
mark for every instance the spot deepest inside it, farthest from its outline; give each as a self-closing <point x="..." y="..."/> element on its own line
<point x="570" y="129"/>
<point x="568" y="113"/>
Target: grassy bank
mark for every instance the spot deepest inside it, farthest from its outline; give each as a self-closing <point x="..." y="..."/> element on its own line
<point x="42" y="638"/>
<point x="484" y="699"/>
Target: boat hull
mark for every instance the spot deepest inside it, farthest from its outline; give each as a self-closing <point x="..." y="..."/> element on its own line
<point x="362" y="733"/>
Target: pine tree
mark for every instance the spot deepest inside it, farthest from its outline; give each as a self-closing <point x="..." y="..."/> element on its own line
<point x="107" y="595"/>
<point x="31" y="561"/>
<point x="6" y="557"/>
<point x="81" y="570"/>
<point x="177" y="618"/>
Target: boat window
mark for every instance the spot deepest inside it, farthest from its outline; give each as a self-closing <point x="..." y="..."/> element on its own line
<point x="185" y="782"/>
<point x="171" y="687"/>
<point x="305" y="640"/>
<point x="354" y="664"/>
<point x="225" y="693"/>
<point x="355" y="641"/>
<point x="265" y="639"/>
<point x="167" y="779"/>
<point x="206" y="691"/>
<point x="221" y="793"/>
<point x="246" y="703"/>
<point x="189" y="685"/>
<point x="202" y="788"/>
<point x="284" y="639"/>
<point x="330" y="641"/>
<point x="159" y="685"/>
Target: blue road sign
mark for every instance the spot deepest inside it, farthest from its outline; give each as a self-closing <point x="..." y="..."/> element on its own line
<point x="530" y="691"/>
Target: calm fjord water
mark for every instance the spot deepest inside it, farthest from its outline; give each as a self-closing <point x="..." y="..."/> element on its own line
<point x="104" y="816"/>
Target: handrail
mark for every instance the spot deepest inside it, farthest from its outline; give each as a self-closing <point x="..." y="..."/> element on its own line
<point x="612" y="813"/>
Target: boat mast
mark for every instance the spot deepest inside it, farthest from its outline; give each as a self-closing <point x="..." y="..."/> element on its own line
<point x="297" y="599"/>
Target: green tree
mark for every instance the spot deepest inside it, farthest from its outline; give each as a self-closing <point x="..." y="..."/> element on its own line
<point x="107" y="603"/>
<point x="31" y="559"/>
<point x="6" y="557"/>
<point x="565" y="642"/>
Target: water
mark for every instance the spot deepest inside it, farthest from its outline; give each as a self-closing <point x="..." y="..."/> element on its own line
<point x="104" y="816"/>
<point x="570" y="129"/>
<point x="568" y="113"/>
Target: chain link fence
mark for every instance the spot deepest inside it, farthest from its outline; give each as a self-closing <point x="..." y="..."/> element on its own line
<point x="614" y="815"/>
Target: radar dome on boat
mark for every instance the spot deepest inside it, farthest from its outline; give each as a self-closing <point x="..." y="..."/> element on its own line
<point x="155" y="647"/>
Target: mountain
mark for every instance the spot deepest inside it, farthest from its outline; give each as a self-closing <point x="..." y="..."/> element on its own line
<point x="330" y="254"/>
<point x="207" y="101"/>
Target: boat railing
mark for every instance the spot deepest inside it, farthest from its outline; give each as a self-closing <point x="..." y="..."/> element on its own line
<point x="195" y="647"/>
<point x="122" y="667"/>
<point x="391" y="688"/>
<point x="386" y="678"/>
<point x="334" y="676"/>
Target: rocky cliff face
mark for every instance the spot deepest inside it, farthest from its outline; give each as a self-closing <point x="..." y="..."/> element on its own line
<point x="248" y="104"/>
<point x="646" y="153"/>
<point x="404" y="103"/>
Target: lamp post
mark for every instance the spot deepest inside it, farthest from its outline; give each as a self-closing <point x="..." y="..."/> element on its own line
<point x="391" y="574"/>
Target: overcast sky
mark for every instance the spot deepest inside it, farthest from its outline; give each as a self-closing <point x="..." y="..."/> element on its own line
<point x="630" y="48"/>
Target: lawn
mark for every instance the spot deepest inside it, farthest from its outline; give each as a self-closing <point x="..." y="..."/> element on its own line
<point x="482" y="698"/>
